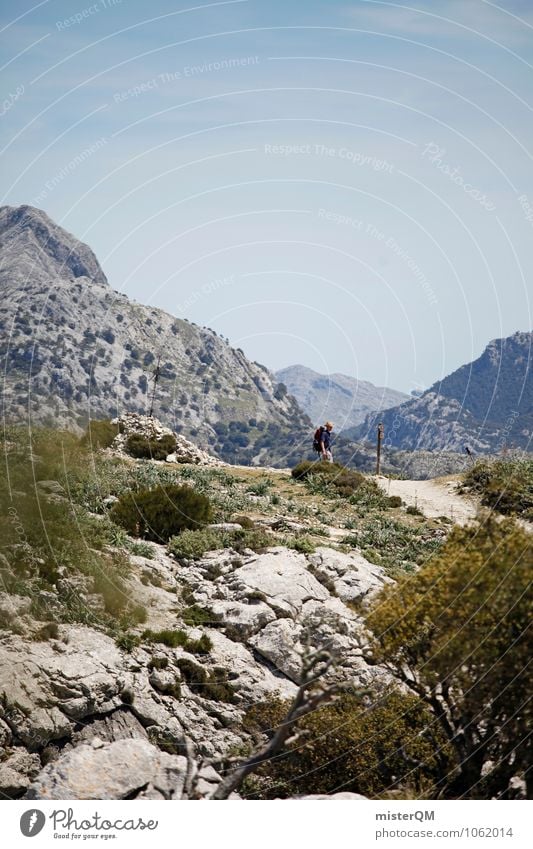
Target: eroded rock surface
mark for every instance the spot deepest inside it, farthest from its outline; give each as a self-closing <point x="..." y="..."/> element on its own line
<point x="77" y="703"/>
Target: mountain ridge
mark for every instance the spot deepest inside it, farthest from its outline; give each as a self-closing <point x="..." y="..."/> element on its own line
<point x="485" y="405"/>
<point x="340" y="397"/>
<point x="73" y="348"/>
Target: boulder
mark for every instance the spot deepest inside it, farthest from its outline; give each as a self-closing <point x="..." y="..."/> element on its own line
<point x="244" y="619"/>
<point x="279" y="644"/>
<point x="17" y="772"/>
<point x="151" y="428"/>
<point x="353" y="577"/>
<point x="283" y="578"/>
<point x="124" y="769"/>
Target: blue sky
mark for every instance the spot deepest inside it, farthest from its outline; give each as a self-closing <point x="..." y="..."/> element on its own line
<point x="348" y="185"/>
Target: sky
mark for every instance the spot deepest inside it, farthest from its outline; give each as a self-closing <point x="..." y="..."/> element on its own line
<point x="345" y="185"/>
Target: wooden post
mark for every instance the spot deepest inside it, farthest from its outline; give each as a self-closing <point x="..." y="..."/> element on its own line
<point x="380" y="440"/>
<point x="156" y="378"/>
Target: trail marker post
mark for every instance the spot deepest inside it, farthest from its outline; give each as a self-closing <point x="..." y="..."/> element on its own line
<point x="380" y="440"/>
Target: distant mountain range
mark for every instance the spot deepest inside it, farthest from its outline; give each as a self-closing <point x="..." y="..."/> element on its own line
<point x="343" y="399"/>
<point x="72" y="349"/>
<point x="486" y="405"/>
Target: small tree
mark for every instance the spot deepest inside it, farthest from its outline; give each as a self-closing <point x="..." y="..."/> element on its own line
<point x="456" y="634"/>
<point x="160" y="513"/>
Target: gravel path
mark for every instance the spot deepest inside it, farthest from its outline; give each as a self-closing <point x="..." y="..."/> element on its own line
<point x="437" y="497"/>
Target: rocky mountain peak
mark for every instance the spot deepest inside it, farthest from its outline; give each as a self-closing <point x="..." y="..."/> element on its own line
<point x="486" y="404"/>
<point x="35" y="248"/>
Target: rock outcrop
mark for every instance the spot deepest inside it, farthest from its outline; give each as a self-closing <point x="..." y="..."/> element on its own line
<point x="152" y="429"/>
<point x="81" y="717"/>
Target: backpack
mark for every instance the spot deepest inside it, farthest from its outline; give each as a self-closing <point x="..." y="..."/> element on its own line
<point x="317" y="445"/>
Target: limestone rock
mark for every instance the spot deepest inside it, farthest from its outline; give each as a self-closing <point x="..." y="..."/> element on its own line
<point x="282" y="576"/>
<point x="353" y="577"/>
<point x="120" y="770"/>
<point x="279" y="643"/>
<point x="150" y="428"/>
<point x="17" y="772"/>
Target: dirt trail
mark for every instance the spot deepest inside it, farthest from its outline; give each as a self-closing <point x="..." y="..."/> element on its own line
<point x="437" y="497"/>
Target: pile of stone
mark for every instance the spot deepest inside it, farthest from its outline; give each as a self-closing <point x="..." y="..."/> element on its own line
<point x="150" y="428"/>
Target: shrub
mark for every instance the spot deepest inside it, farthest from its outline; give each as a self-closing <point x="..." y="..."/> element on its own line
<point x="157" y="663"/>
<point x="211" y="685"/>
<point x="369" y="746"/>
<point x="260" y="487"/>
<point x="302" y="544"/>
<point x="192" y="545"/>
<point x="414" y="511"/>
<point x="173" y="639"/>
<point x="49" y="631"/>
<point x="394" y="501"/>
<point x="244" y="522"/>
<point x="455" y="633"/>
<point x="157" y="514"/>
<point x="127" y="642"/>
<point x="504" y="485"/>
<point x="99" y="434"/>
<point x="329" y="476"/>
<point x="154" y="449"/>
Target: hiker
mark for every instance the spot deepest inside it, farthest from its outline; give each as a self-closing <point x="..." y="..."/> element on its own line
<point x="322" y="442"/>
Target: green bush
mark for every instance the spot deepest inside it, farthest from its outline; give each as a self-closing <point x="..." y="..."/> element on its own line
<point x="99" y="434"/>
<point x="457" y="633"/>
<point x="384" y="742"/>
<point x="413" y="511"/>
<point x="394" y="501"/>
<point x="302" y="544"/>
<point x="47" y="536"/>
<point x="127" y="642"/>
<point x="173" y="639"/>
<point x="394" y="541"/>
<point x="192" y="545"/>
<point x="329" y="476"/>
<point x="160" y="513"/>
<point x="244" y="522"/>
<point x="154" y="449"/>
<point x="504" y="485"/>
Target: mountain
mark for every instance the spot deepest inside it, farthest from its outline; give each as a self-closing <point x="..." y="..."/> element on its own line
<point x="486" y="405"/>
<point x="344" y="400"/>
<point x="74" y="349"/>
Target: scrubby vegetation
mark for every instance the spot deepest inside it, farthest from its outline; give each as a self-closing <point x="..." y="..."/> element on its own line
<point x="158" y="514"/>
<point x="393" y="544"/>
<point x="152" y="449"/>
<point x="192" y="545"/>
<point x="173" y="639"/>
<point x="504" y="485"/>
<point x="368" y="744"/>
<point x="52" y="550"/>
<point x="334" y="479"/>
<point x="211" y="684"/>
<point x="100" y="434"/>
<point x="456" y="634"/>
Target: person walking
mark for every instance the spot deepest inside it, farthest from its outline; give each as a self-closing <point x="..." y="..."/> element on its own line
<point x="324" y="443"/>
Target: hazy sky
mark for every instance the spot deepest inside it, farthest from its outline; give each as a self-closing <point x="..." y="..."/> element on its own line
<point x="347" y="185"/>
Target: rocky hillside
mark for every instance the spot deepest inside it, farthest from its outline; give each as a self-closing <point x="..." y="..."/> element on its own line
<point x="72" y="348"/>
<point x="338" y="397"/>
<point x="486" y="405"/>
<point x="115" y="650"/>
<point x="128" y="667"/>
